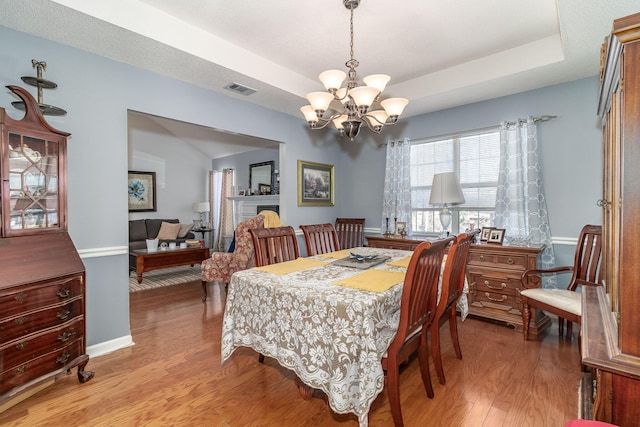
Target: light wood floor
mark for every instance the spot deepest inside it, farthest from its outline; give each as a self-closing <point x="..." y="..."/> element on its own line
<point x="173" y="377"/>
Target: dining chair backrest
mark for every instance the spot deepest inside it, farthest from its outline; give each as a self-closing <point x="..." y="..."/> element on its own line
<point x="454" y="271"/>
<point x="274" y="245"/>
<point x="420" y="289"/>
<point x="320" y="238"/>
<point x="350" y="232"/>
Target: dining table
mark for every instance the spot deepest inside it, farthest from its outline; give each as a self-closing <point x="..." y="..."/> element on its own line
<point x="329" y="318"/>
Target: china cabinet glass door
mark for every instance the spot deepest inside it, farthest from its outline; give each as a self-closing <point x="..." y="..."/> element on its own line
<point x="34" y="197"/>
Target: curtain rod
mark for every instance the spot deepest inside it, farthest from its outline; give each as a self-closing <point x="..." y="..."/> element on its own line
<point x="544" y="118"/>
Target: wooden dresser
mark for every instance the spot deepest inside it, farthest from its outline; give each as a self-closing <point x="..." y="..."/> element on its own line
<point x="493" y="274"/>
<point x="611" y="316"/>
<point x="42" y="285"/>
<point x="392" y="242"/>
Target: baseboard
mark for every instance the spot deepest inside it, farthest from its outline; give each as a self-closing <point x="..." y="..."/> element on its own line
<point x="109" y="346"/>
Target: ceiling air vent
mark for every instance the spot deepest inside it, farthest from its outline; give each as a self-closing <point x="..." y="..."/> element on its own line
<point x="242" y="90"/>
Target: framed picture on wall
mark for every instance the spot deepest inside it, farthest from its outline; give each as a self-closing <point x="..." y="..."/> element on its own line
<point x="142" y="191"/>
<point x="315" y="184"/>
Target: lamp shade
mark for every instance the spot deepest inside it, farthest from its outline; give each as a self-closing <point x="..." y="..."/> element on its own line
<point x="201" y="207"/>
<point x="446" y="189"/>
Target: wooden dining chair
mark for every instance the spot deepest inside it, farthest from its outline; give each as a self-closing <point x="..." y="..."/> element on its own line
<point x="417" y="312"/>
<point x="452" y="287"/>
<point x="320" y="238"/>
<point x="350" y="232"/>
<point x="565" y="303"/>
<point x="274" y="245"/>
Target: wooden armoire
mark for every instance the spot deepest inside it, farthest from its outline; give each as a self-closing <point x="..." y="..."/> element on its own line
<point x="611" y="313"/>
<point x="42" y="278"/>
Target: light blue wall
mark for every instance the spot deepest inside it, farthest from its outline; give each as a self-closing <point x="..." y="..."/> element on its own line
<point x="97" y="93"/>
<point x="570" y="145"/>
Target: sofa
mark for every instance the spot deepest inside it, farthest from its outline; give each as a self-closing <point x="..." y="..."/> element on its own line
<point x="142" y="229"/>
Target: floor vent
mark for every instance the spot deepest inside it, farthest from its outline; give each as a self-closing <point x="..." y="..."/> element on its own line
<point x="242" y="90"/>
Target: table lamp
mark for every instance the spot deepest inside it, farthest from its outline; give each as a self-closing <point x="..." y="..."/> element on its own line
<point x="202" y="208"/>
<point x="445" y="189"/>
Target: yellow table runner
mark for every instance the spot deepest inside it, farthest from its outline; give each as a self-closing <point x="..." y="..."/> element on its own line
<point x="337" y="254"/>
<point x="292" y="266"/>
<point x="373" y="280"/>
<point x="403" y="262"/>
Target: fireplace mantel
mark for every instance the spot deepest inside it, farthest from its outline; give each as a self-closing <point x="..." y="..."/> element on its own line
<point x="245" y="207"/>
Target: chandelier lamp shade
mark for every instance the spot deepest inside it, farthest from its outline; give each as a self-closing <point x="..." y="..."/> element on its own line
<point x="445" y="189"/>
<point x="356" y="103"/>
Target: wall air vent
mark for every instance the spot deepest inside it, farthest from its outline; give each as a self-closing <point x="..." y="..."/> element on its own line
<point x="242" y="90"/>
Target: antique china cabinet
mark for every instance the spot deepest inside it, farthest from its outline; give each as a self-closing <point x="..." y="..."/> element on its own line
<point x="42" y="285"/>
<point x="611" y="313"/>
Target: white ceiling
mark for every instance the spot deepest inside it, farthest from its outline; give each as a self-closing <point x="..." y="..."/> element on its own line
<point x="439" y="54"/>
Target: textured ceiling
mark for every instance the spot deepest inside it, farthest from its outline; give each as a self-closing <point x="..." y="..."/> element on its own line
<point x="439" y="54"/>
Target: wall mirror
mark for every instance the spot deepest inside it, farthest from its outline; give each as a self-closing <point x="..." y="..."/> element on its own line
<point x="261" y="177"/>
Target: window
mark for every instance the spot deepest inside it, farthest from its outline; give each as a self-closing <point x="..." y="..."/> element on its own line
<point x="475" y="158"/>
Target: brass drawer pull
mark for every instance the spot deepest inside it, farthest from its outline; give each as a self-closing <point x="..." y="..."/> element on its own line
<point x="21" y="320"/>
<point x="510" y="261"/>
<point x="66" y="335"/>
<point x="63" y="314"/>
<point x="482" y="258"/>
<point x="63" y="293"/>
<point x="20" y="370"/>
<point x="22" y="345"/>
<point x="21" y="297"/>
<point x="488" y="295"/>
<point x="63" y="358"/>
<point x="502" y="285"/>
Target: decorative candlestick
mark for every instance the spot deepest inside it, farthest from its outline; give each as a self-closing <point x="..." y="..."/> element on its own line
<point x="387" y="233"/>
<point x="395" y="225"/>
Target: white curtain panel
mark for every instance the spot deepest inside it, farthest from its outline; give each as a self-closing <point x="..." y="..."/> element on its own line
<point x="396" y="201"/>
<point x="521" y="207"/>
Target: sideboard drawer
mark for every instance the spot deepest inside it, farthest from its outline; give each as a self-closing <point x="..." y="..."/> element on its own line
<point x="22" y="299"/>
<point x="36" y="321"/>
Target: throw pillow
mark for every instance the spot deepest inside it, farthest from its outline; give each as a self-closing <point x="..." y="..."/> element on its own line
<point x="168" y="231"/>
<point x="184" y="229"/>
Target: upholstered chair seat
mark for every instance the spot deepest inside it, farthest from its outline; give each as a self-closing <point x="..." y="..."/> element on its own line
<point x="221" y="265"/>
<point x="563" y="299"/>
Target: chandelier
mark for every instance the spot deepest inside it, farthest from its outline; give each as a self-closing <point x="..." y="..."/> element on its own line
<point x="360" y="103"/>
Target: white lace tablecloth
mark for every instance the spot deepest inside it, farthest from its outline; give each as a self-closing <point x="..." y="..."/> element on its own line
<point x="332" y="337"/>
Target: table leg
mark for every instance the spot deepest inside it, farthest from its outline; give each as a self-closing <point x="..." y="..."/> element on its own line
<point x="305" y="391"/>
<point x="139" y="268"/>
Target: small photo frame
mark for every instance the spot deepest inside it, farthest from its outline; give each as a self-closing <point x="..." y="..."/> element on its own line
<point x="496" y="235"/>
<point x="241" y="193"/>
<point x="264" y="189"/>
<point x="484" y="234"/>
<point x="401" y="228"/>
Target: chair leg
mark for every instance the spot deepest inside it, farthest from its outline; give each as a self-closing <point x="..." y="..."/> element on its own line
<point x="569" y="329"/>
<point x="560" y="327"/>
<point x="453" y="328"/>
<point x="393" y="391"/>
<point x="436" y="352"/>
<point x="526" y="318"/>
<point x="261" y="358"/>
<point x="204" y="289"/>
<point x="423" y="358"/>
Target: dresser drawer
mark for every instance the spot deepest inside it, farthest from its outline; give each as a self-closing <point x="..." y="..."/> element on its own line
<point x="501" y="285"/>
<point x="498" y="260"/>
<point x="35" y="321"/>
<point x="508" y="303"/>
<point x="35" y="345"/>
<point x="52" y="361"/>
<point x="22" y="299"/>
